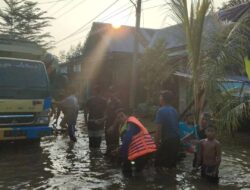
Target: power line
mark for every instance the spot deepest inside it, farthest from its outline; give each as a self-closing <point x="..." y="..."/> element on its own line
<point x="128" y="15"/>
<point x="64" y="5"/>
<point x="49" y="2"/>
<point x="152" y="7"/>
<point x="103" y="20"/>
<point x="122" y="7"/>
<point x="68" y="11"/>
<point x="117" y="10"/>
<point x="54" y="4"/>
<point x="132" y="10"/>
<point x="82" y="27"/>
<point x="112" y="15"/>
<point x="96" y="32"/>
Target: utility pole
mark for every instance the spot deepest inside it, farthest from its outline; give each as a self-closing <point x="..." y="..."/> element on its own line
<point x="133" y="84"/>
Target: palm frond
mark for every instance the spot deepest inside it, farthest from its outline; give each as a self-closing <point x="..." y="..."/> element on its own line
<point x="192" y="19"/>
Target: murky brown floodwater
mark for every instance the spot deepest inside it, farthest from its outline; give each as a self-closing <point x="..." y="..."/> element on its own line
<point x="58" y="164"/>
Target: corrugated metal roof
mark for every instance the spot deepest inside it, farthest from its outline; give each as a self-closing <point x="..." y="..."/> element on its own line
<point x="234" y="13"/>
<point x="174" y="35"/>
<point x="122" y="39"/>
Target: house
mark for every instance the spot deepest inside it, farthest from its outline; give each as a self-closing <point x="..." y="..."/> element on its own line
<point x="63" y="68"/>
<point x="108" y="54"/>
<point x="73" y="70"/>
<point x="235" y="13"/>
<point x="176" y="46"/>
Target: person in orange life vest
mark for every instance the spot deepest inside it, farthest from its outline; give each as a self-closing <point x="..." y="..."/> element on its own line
<point x="137" y="144"/>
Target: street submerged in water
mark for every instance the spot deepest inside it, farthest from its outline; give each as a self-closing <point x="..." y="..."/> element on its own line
<point x="59" y="164"/>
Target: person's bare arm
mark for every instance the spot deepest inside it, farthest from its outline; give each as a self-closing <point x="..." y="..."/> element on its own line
<point x="58" y="113"/>
<point x="114" y="125"/>
<point x="218" y="154"/>
<point x="158" y="134"/>
<point x="200" y="154"/>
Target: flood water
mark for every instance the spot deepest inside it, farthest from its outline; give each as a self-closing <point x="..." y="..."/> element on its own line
<point x="58" y="164"/>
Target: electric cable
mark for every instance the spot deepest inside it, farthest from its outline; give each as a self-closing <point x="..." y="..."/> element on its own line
<point x="82" y="27"/>
<point x="61" y="8"/>
<point x="68" y="11"/>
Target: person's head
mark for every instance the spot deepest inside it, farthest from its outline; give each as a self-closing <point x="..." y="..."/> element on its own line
<point x="210" y="131"/>
<point x="111" y="92"/>
<point x="166" y="97"/>
<point x="121" y="115"/>
<point x="48" y="60"/>
<point x="205" y="119"/>
<point x="61" y="95"/>
<point x="96" y="90"/>
<point x="67" y="91"/>
<point x="189" y="119"/>
<point x="70" y="90"/>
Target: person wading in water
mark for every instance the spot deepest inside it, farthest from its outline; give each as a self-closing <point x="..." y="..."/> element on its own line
<point x="167" y="133"/>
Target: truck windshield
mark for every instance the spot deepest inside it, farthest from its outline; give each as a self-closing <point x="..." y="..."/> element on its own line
<point x="22" y="79"/>
<point x="21" y="74"/>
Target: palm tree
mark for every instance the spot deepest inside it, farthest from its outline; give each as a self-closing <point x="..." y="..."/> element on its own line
<point x="227" y="57"/>
<point x="193" y="21"/>
<point x="233" y="3"/>
<point x="208" y="67"/>
<point x="156" y="55"/>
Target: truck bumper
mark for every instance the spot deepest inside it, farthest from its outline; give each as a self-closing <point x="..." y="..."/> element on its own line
<point x="18" y="133"/>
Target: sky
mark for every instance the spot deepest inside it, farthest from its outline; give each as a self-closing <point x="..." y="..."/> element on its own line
<point x="71" y="15"/>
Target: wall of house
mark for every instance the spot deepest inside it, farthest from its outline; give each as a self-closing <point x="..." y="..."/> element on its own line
<point x="183" y="88"/>
<point x="185" y="94"/>
<point x="172" y="85"/>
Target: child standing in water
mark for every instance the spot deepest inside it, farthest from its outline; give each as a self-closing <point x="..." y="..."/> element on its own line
<point x="210" y="155"/>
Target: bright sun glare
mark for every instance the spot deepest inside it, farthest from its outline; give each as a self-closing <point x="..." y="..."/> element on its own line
<point x="116" y="25"/>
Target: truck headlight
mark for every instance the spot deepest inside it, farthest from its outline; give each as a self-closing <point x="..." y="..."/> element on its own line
<point x="42" y="120"/>
<point x="42" y="117"/>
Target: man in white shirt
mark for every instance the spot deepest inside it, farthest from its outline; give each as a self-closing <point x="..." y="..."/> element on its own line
<point x="69" y="106"/>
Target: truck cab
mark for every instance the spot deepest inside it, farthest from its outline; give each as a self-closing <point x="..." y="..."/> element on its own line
<point x="24" y="100"/>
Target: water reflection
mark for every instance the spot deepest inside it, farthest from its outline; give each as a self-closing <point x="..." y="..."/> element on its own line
<point x="58" y="164"/>
<point x="23" y="165"/>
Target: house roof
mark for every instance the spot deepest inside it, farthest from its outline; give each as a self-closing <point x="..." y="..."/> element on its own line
<point x="234" y="13"/>
<point x="19" y="46"/>
<point x="121" y="39"/>
<point x="174" y="35"/>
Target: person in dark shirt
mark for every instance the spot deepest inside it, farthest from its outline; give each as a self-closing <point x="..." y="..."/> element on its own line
<point x="58" y="82"/>
<point x="96" y="107"/>
<point x="167" y="133"/>
<point x="111" y="126"/>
